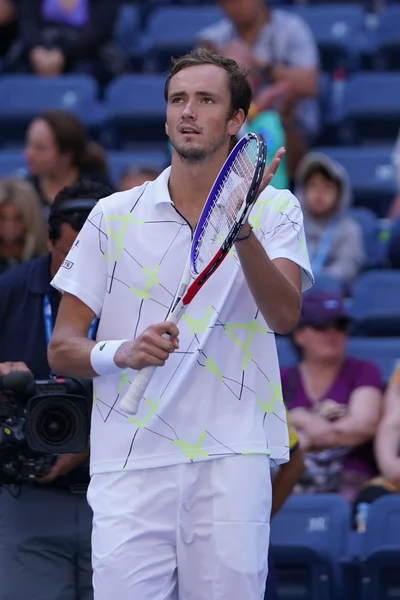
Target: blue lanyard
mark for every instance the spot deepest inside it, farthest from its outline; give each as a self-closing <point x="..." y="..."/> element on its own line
<point x="48" y="321"/>
<point x="320" y="256"/>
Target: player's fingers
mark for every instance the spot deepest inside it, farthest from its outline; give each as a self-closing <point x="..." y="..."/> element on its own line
<point x="166" y="327"/>
<point x="159" y="354"/>
<point x="155" y="344"/>
<point x="271" y="169"/>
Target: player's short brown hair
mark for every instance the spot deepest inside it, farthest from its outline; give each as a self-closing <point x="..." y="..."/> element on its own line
<point x="241" y="94"/>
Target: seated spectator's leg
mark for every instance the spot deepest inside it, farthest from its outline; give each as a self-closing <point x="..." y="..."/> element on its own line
<point x="38" y="533"/>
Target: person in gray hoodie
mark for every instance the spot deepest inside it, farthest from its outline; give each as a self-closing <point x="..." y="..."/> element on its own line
<point x="334" y="238"/>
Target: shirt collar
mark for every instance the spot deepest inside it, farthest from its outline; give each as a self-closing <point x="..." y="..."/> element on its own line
<point x="160" y="191"/>
<point x="39" y="276"/>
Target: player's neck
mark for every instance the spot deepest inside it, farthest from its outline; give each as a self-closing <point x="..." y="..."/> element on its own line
<point x="190" y="184"/>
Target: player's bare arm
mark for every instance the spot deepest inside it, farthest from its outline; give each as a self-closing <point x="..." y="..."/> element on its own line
<point x="275" y="285"/>
<point x="70" y="351"/>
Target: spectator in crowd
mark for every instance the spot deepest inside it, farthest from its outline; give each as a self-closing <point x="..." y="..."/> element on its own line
<point x="387" y="442"/>
<point x="393" y="252"/>
<point x="395" y="207"/>
<point x="334" y="239"/>
<point x="45" y="529"/>
<point x="279" y="50"/>
<point x="135" y="176"/>
<point x="8" y="26"/>
<point x="63" y="36"/>
<point x="387" y="448"/>
<point x="22" y="228"/>
<point x="59" y="154"/>
<point x="334" y="401"/>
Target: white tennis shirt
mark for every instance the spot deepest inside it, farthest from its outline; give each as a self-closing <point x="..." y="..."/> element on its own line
<point x="220" y="393"/>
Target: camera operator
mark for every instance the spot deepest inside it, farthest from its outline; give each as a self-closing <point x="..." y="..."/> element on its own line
<point x="45" y="526"/>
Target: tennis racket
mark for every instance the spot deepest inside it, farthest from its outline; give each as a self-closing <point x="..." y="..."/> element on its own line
<point x="228" y="205"/>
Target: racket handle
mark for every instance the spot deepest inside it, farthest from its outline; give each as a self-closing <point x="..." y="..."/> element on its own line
<point x="131" y="401"/>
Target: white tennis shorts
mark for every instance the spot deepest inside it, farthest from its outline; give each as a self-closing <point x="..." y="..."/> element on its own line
<point x="189" y="532"/>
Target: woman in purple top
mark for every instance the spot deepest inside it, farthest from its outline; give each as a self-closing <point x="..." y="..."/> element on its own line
<point x="334" y="401"/>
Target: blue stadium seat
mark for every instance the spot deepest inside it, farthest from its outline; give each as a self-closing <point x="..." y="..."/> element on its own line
<point x="371" y="108"/>
<point x="380" y="573"/>
<point x="286" y="353"/>
<point x="371" y="174"/>
<point x="12" y="164"/>
<point x="336" y="30"/>
<point x="22" y="97"/>
<point x="384" y="352"/>
<point x="136" y="109"/>
<point x="367" y="4"/>
<point x="308" y="537"/>
<point x="128" y="26"/>
<point x="388" y="39"/>
<point x="325" y="98"/>
<point x="119" y="161"/>
<point x="375" y="248"/>
<point x="327" y="283"/>
<point x="393" y="243"/>
<point x="375" y="307"/>
<point x="172" y="30"/>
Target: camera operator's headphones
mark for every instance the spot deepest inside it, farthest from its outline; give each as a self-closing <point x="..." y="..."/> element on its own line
<point x="74" y="206"/>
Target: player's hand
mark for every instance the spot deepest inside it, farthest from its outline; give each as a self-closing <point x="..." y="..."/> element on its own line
<point x="63" y="465"/>
<point x="271" y="169"/>
<point x="12" y="367"/>
<point x="149" y="349"/>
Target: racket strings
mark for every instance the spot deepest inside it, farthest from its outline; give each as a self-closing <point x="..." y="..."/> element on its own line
<point x="228" y="206"/>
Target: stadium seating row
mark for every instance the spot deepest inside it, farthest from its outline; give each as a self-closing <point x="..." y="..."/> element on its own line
<point x="370" y="171"/>
<point x="318" y="556"/>
<point x="134" y="106"/>
<point x="347" y="35"/>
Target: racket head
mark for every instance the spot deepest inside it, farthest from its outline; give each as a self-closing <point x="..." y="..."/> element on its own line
<point x="229" y="202"/>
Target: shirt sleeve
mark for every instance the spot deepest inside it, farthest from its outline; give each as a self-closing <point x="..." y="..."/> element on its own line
<point x="218" y="34"/>
<point x="368" y="374"/>
<point x="302" y="48"/>
<point x="277" y="219"/>
<point x="84" y="272"/>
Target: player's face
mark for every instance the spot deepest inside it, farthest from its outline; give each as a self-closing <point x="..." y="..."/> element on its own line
<point x="198" y="113"/>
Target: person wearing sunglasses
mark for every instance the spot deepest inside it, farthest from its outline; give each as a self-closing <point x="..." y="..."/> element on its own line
<point x="334" y="400"/>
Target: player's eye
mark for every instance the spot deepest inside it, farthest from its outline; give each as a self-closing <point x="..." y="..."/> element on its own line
<point x="208" y="100"/>
<point x="177" y="100"/>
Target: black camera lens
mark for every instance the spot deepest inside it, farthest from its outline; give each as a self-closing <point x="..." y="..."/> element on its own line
<point x="57" y="423"/>
<point x="56" y="426"/>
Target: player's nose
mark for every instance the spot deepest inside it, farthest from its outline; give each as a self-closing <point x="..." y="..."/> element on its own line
<point x="188" y="111"/>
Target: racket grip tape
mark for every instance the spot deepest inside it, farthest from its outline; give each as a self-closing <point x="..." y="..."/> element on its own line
<point x="130" y="403"/>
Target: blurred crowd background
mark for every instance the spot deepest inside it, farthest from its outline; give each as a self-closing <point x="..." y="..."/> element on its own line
<point x="81" y="99"/>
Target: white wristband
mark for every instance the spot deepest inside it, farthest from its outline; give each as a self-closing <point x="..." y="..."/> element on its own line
<point x="102" y="357"/>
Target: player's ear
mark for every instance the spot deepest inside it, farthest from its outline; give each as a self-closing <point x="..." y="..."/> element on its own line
<point x="235" y="122"/>
<point x="166" y="128"/>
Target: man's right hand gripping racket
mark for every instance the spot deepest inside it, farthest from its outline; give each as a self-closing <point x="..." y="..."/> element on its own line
<point x="227" y="207"/>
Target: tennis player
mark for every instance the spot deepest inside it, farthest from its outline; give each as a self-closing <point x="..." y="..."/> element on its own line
<point x="181" y="492"/>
